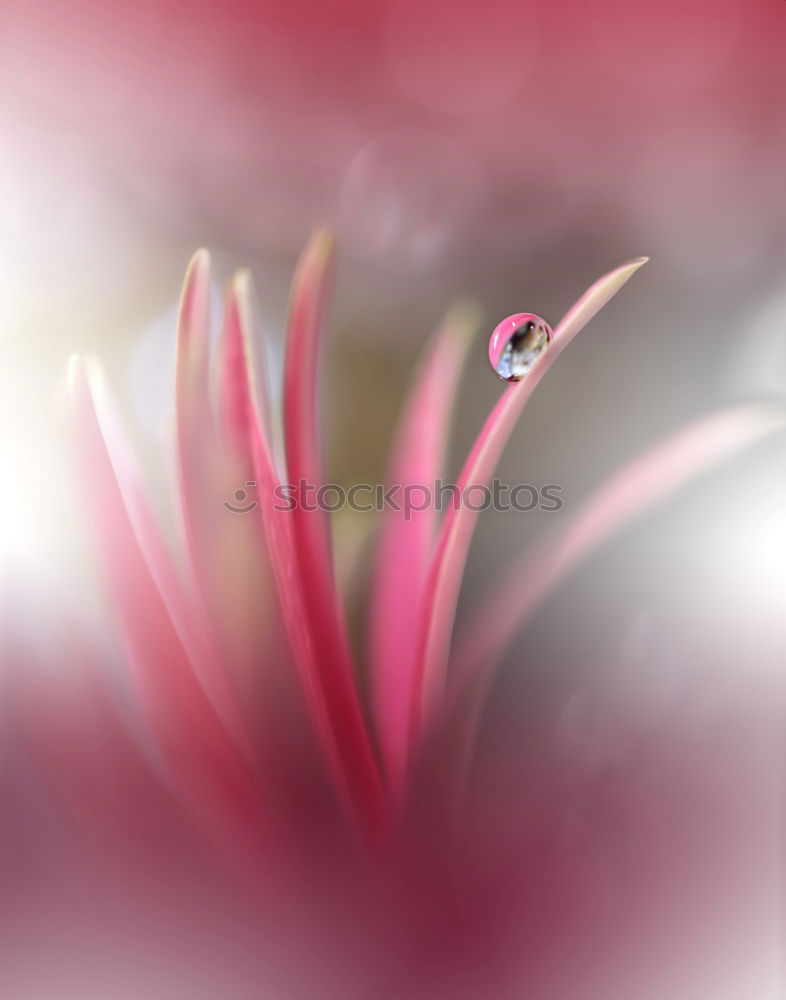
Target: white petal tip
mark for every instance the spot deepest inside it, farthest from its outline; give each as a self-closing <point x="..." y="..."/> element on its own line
<point x="632" y="265"/>
<point x="242" y="284"/>
<point x="320" y="250"/>
<point x="197" y="275"/>
<point x="200" y="260"/>
<point x="74" y="372"/>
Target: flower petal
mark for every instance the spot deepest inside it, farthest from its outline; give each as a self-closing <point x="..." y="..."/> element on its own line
<point x="202" y="759"/>
<point x="195" y="441"/>
<point x="441" y="593"/>
<point x="178" y="599"/>
<point x="632" y="491"/>
<point x="239" y="587"/>
<point x="406" y="539"/>
<point x="299" y="551"/>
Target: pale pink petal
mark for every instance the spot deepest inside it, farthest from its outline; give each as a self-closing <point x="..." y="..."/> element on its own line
<point x="442" y="588"/>
<point x="204" y="474"/>
<point x="195" y="442"/>
<point x="179" y="600"/>
<point x="406" y="541"/>
<point x="239" y="590"/>
<point x="207" y="771"/>
<point x="228" y="576"/>
<point x="632" y="491"/>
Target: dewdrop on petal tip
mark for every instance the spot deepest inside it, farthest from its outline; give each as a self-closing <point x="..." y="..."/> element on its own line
<point x="516" y="343"/>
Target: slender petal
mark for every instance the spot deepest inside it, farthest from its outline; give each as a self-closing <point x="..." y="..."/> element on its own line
<point x="632" y="491"/>
<point x="181" y="603"/>
<point x="239" y="587"/>
<point x="203" y="468"/>
<point x="193" y="418"/>
<point x="310" y="615"/>
<point x="202" y="758"/>
<point x="442" y="588"/>
<point x="407" y="537"/>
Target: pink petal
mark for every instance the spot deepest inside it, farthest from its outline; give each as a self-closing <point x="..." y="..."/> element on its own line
<point x="238" y="588"/>
<point x="233" y="402"/>
<point x="178" y="600"/>
<point x="442" y="589"/>
<point x="632" y="491"/>
<point x="406" y="544"/>
<point x="195" y="443"/>
<point x="240" y="370"/>
<point x="228" y="574"/>
<point x="207" y="770"/>
<point x="309" y="602"/>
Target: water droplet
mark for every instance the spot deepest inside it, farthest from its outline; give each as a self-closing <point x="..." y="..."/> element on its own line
<point x="516" y="344"/>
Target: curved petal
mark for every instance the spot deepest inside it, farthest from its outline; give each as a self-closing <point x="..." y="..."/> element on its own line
<point x="206" y="768"/>
<point x="441" y="593"/>
<point x="406" y="539"/>
<point x="238" y="586"/>
<point x="307" y="594"/>
<point x="632" y="491"/>
<point x="193" y="418"/>
<point x="189" y="621"/>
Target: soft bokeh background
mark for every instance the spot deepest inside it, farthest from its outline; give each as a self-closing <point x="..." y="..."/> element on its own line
<point x="510" y="151"/>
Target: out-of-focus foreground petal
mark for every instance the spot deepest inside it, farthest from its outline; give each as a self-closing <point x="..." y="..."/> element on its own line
<point x="203" y="760"/>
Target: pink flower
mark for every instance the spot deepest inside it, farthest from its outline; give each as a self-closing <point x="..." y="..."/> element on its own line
<point x="205" y="741"/>
<point x="222" y="422"/>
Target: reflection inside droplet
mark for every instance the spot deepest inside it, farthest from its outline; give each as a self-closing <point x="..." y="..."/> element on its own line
<point x="516" y="344"/>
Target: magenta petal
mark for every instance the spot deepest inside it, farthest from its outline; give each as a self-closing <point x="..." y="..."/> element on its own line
<point x="632" y="491"/>
<point x="310" y="614"/>
<point x="442" y="589"/>
<point x="406" y="543"/>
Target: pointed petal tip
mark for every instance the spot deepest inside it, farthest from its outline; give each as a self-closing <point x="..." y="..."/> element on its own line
<point x="85" y="371"/>
<point x="320" y="251"/>
<point x="242" y="284"/>
<point x="94" y="372"/>
<point x="197" y="275"/>
<point x="464" y="318"/>
<point x="200" y="261"/>
<point x="629" y="267"/>
<point x="241" y="294"/>
<point x="75" y="373"/>
<point x="193" y="323"/>
<point x="323" y="239"/>
<point x="637" y="262"/>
